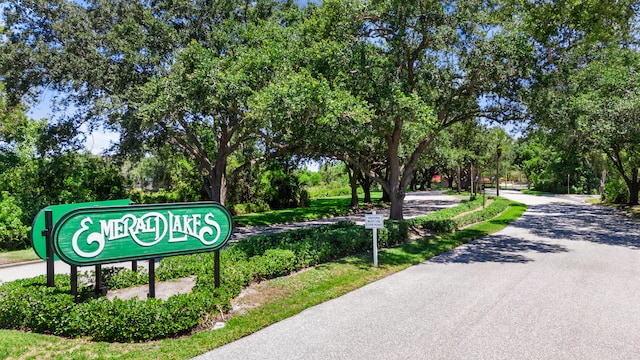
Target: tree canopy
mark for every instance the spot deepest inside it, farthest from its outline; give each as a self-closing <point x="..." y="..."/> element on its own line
<point x="229" y="83"/>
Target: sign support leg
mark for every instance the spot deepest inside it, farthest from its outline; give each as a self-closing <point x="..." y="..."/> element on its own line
<point x="375" y="247"/>
<point x="216" y="268"/>
<point x="100" y="289"/>
<point x="48" y="221"/>
<point x="74" y="281"/>
<point x="134" y="265"/>
<point x="152" y="278"/>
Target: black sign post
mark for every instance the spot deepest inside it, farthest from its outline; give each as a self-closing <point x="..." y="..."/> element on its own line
<point x="216" y="268"/>
<point x="152" y="278"/>
<point x="48" y="220"/>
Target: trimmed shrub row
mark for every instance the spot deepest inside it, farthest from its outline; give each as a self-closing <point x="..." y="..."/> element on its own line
<point x="443" y="221"/>
<point x="316" y="245"/>
<point x="496" y="207"/>
<point x="29" y="305"/>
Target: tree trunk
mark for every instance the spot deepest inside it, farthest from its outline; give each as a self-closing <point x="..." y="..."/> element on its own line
<point x="499" y="153"/>
<point x="458" y="185"/>
<point x="452" y="177"/>
<point x="634" y="187"/>
<point x="353" y="182"/>
<point x="397" y="200"/>
<point x="633" y="194"/>
<point x="472" y="184"/>
<point x="217" y="188"/>
<point x="365" y="183"/>
<point x="396" y="188"/>
<point x="216" y="182"/>
<point x="386" y="197"/>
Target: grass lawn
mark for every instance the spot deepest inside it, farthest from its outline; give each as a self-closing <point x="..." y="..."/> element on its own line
<point x="535" y="192"/>
<point x="10" y="257"/>
<point x="280" y="298"/>
<point x="631" y="210"/>
<point x="318" y="209"/>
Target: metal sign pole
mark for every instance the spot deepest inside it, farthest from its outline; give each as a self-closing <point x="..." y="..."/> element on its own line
<point x="375" y="247"/>
<point x="216" y="269"/>
<point x="374" y="221"/>
<point x="74" y="281"/>
<point x="99" y="290"/>
<point x="48" y="220"/>
<point x="152" y="278"/>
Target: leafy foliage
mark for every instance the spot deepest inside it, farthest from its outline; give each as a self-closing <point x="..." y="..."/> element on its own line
<point x="13" y="234"/>
<point x="32" y="183"/>
<point x="30" y="305"/>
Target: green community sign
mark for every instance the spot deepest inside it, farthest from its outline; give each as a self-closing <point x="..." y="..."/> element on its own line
<point x="39" y="240"/>
<point x="101" y="235"/>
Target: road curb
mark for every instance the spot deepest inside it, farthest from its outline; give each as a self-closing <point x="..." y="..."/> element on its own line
<point x="4" y="266"/>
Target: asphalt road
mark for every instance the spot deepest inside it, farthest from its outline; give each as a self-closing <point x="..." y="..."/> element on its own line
<point x="562" y="282"/>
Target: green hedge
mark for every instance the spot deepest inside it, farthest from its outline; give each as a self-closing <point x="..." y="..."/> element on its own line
<point x="496" y="207"/>
<point x="445" y="221"/>
<point x="442" y="221"/>
<point x="29" y="305"/>
<point x="248" y="208"/>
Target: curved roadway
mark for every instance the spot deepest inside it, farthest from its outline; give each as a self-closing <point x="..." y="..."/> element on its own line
<point x="562" y="282"/>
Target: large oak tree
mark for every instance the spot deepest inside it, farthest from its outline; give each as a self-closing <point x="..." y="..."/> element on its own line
<point x="156" y="71"/>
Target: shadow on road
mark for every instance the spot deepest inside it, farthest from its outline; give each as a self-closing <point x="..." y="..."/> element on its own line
<point x="497" y="248"/>
<point x="541" y="226"/>
<point x="581" y="222"/>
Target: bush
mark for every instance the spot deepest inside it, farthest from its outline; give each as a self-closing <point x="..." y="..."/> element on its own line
<point x="249" y="208"/>
<point x="13" y="234"/>
<point x="283" y="190"/>
<point x="491" y="211"/>
<point x="29" y="305"/>
<point x="443" y="221"/>
<point x="274" y="263"/>
<point x="162" y="196"/>
<point x="616" y="191"/>
<point x="325" y="191"/>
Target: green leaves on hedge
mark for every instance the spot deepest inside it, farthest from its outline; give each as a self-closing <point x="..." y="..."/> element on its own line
<point x="29" y="305"/>
<point x="449" y="220"/>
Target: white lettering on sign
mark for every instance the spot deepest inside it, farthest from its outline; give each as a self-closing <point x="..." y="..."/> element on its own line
<point x="373" y="221"/>
<point x="147" y="230"/>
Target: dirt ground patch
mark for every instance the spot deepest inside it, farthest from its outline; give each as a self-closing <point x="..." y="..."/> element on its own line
<point x="164" y="289"/>
<point x="250" y="297"/>
<point x="4" y="261"/>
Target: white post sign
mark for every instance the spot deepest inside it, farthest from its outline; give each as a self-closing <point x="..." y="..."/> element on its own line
<point x="374" y="221"/>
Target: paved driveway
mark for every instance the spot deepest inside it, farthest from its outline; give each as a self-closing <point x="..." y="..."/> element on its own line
<point x="562" y="282"/>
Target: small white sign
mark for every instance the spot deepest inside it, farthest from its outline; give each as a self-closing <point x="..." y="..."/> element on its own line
<point x="373" y="221"/>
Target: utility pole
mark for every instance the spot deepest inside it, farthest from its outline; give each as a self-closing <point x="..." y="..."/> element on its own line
<point x="499" y="153"/>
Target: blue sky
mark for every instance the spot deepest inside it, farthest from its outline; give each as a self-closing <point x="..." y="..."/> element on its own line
<point x="96" y="142"/>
